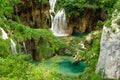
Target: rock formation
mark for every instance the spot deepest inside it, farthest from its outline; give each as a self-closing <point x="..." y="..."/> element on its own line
<point x="87" y="20"/>
<point x="36" y="15"/>
<point x="31" y="46"/>
<point x="33" y="13"/>
<point x="109" y="58"/>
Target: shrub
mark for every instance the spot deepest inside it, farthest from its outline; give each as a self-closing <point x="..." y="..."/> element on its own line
<point x="118" y="22"/>
<point x="14" y="66"/>
<point x="19" y="67"/>
<point x="4" y="48"/>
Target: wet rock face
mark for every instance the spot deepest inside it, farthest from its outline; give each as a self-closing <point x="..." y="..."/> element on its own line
<point x="109" y="58"/>
<point x="33" y="13"/>
<point x="31" y="46"/>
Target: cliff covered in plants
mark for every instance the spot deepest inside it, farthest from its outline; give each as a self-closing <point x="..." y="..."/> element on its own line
<point x="81" y="16"/>
<point x="24" y="26"/>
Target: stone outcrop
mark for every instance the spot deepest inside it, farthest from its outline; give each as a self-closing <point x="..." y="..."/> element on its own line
<point x="109" y="58"/>
<point x="32" y="47"/>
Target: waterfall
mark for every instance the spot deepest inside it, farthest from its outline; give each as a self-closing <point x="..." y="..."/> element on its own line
<point x="59" y="24"/>
<point x="13" y="46"/>
<point x="52" y="7"/>
<point x="24" y="47"/>
<point x="4" y="34"/>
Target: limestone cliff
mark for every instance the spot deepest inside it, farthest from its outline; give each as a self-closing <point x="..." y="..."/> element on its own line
<point x="109" y="58"/>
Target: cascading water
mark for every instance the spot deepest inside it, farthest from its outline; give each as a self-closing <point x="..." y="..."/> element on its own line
<point x="24" y="47"/>
<point x="4" y="34"/>
<point x="59" y="23"/>
<point x="13" y="46"/>
<point x="52" y="7"/>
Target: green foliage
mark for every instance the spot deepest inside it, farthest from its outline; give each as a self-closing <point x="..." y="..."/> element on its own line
<point x="114" y="11"/>
<point x="18" y="67"/>
<point x="90" y="56"/>
<point x="117" y="5"/>
<point x="41" y="74"/>
<point x="118" y="21"/>
<point x="50" y="44"/>
<point x="43" y="1"/>
<point x="100" y="24"/>
<point x="113" y="29"/>
<point x="76" y="7"/>
<point x="14" y="66"/>
<point x="108" y="23"/>
<point x="89" y="74"/>
<point x="4" y="48"/>
<point x="6" y="7"/>
<point x="72" y="6"/>
<point x="21" y="33"/>
<point x="104" y="4"/>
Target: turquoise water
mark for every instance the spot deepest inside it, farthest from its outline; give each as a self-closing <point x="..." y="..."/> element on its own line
<point x="65" y="65"/>
<point x="81" y="35"/>
<point x="68" y="67"/>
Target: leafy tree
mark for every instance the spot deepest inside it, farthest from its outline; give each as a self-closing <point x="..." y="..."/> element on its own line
<point x="77" y="7"/>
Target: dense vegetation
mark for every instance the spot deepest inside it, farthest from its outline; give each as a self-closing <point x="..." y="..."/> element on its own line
<point x="19" y="66"/>
<point x="76" y="7"/>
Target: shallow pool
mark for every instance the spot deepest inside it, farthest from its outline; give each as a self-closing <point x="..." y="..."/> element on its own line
<point x="65" y="65"/>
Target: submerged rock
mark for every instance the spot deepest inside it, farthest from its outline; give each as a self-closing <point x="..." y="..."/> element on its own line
<point x="109" y="59"/>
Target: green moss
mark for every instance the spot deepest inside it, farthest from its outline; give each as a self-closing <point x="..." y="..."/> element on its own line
<point x="117" y="5"/>
<point x="108" y="23"/>
<point x="19" y="67"/>
<point x="4" y="48"/>
<point x="113" y="29"/>
<point x="118" y="22"/>
<point x="77" y="7"/>
<point x="13" y="66"/>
